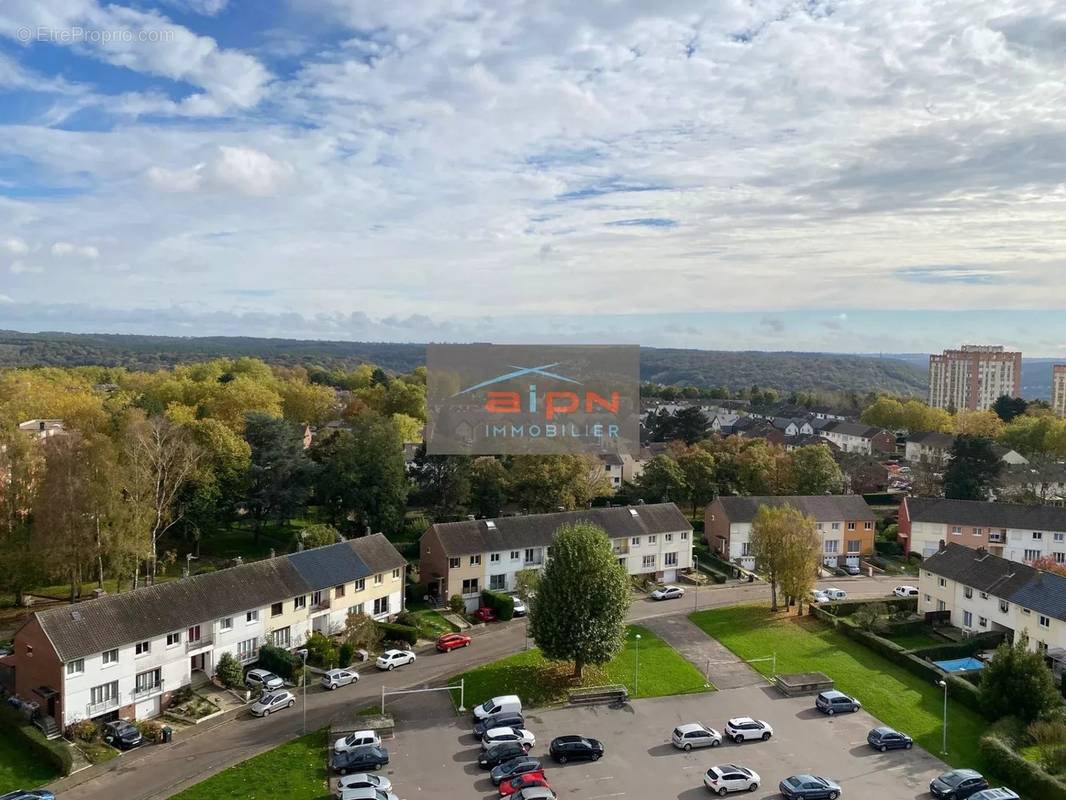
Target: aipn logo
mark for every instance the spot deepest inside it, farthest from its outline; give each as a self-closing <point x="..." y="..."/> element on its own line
<point x="555" y="402"/>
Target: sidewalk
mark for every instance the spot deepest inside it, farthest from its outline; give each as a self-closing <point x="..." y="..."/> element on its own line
<point x="726" y="671"/>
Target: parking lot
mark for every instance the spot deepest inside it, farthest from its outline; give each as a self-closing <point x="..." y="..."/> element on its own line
<point x="435" y="752"/>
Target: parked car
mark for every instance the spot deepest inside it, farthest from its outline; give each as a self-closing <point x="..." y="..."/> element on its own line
<point x="263" y="679"/>
<point x="499" y="735"/>
<point x="366" y="793"/>
<point x="1002" y="793"/>
<point x="505" y="719"/>
<point x="834" y="593"/>
<point x="357" y="739"/>
<point x="485" y="614"/>
<point x="668" y="593"/>
<point x="270" y="702"/>
<point x="520" y="609"/>
<point x="742" y="729"/>
<point x="498" y="753"/>
<point x="339" y="677"/>
<point x="523" y="781"/>
<point x="364" y="780"/>
<point x="515" y="766"/>
<point x="833" y="701"/>
<point x="885" y="738"/>
<point x="809" y="787"/>
<point x="905" y="591"/>
<point x="575" y="748"/>
<point x="28" y="794"/>
<point x="695" y="734"/>
<point x="852" y="569"/>
<point x="452" y="641"/>
<point x="957" y="784"/>
<point x="534" y="793"/>
<point x="497" y="705"/>
<point x="731" y="778"/>
<point x="819" y="596"/>
<point x="123" y="735"/>
<point x="391" y="659"/>
<point x="359" y="760"/>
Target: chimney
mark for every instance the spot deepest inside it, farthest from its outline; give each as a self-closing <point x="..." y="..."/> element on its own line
<point x="40" y="425"/>
<point x="981" y="551"/>
<point x="943" y="546"/>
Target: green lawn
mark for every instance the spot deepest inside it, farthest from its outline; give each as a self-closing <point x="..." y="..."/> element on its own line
<point x="431" y="624"/>
<point x="912" y="641"/>
<point x="540" y="682"/>
<point x="293" y="771"/>
<point x="893" y="695"/>
<point x="19" y="766"/>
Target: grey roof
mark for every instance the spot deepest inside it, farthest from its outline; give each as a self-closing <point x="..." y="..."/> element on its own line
<point x="943" y="441"/>
<point x="1043" y="592"/>
<point x="824" y="508"/>
<point x="538" y="530"/>
<point x="121" y="619"/>
<point x="986" y="515"/>
<point x="852" y="429"/>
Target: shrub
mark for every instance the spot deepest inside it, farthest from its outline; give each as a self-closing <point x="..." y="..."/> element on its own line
<point x="229" y="671"/>
<point x="888" y="548"/>
<point x="407" y="618"/>
<point x="502" y="604"/>
<point x="149" y="728"/>
<point x="56" y="753"/>
<point x="320" y="650"/>
<point x="361" y="632"/>
<point x="1017" y="682"/>
<point x="345" y="655"/>
<point x="999" y="753"/>
<point x="85" y="731"/>
<point x="1049" y="736"/>
<point x="871" y="617"/>
<point x="399" y="633"/>
<point x="277" y="660"/>
<point x="457" y="604"/>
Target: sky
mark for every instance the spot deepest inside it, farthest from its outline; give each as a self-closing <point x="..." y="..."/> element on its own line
<point x="736" y="174"/>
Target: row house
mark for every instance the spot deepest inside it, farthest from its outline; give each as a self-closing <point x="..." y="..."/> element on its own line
<point x="1014" y="531"/>
<point x="124" y="655"/>
<point x="983" y="592"/>
<point x="854" y="437"/>
<point x="935" y="449"/>
<point x="846" y="524"/>
<point x="463" y="558"/>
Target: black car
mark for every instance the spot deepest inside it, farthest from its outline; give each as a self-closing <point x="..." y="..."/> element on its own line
<point x="28" y="794"/>
<point x="499" y="753"/>
<point x="505" y="719"/>
<point x="575" y="748"/>
<point x="513" y="768"/>
<point x="122" y="734"/>
<point x="359" y="759"/>
<point x="957" y="784"/>
<point x="884" y="738"/>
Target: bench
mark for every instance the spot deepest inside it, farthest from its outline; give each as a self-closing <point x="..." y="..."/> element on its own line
<point x="594" y="695"/>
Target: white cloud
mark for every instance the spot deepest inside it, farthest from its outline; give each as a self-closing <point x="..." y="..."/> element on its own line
<point x="62" y="249"/>
<point x="239" y="169"/>
<point x="14" y="246"/>
<point x="20" y="268"/>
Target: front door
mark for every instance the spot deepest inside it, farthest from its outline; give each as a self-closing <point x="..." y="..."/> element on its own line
<point x="198" y="662"/>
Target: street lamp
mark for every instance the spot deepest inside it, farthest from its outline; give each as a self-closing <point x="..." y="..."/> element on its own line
<point x="944" y="743"/>
<point x="636" y="666"/>
<point x="302" y="653"/>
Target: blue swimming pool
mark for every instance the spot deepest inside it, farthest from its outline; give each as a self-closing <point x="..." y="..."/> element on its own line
<point x="960" y="664"/>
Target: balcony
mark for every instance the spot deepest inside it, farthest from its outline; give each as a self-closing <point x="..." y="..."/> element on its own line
<point x="198" y="644"/>
<point x="620" y="549"/>
<point x="995" y="538"/>
<point x="143" y="692"/>
<point x="321" y="605"/>
<point x="96" y="709"/>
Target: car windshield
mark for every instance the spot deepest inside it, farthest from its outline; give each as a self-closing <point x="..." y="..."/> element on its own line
<point x="793" y="781"/>
<point x="953" y="778"/>
<point x="487" y="705"/>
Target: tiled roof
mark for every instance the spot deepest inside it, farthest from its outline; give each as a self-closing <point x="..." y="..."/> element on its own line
<point x="852" y="429"/>
<point x="121" y="619"/>
<point x="986" y="515"/>
<point x="941" y="441"/>
<point x="824" y="508"/>
<point x="538" y="530"/>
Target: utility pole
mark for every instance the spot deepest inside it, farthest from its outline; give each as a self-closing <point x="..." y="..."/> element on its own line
<point x="944" y="742"/>
<point x="636" y="667"/>
<point x="302" y="653"/>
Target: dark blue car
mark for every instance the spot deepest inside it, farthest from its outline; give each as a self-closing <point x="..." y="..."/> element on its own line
<point x="809" y="787"/>
<point x="885" y="738"/>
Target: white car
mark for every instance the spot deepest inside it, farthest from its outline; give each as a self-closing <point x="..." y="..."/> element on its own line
<point x="520" y="609"/>
<point x="501" y="735"/>
<point x="743" y="729"/>
<point x="366" y="793"/>
<point x="339" y="677"/>
<point x="262" y="679"/>
<point x="668" y="593"/>
<point x="357" y="739"/>
<point x="270" y="702"/>
<point x="730" y="778"/>
<point x="834" y="593"/>
<point x="819" y="596"/>
<point x="905" y="591"/>
<point x="695" y="734"/>
<point x="394" y="658"/>
<point x="364" y="780"/>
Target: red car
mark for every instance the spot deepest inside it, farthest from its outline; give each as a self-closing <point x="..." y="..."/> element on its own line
<point x="485" y="614"/>
<point x="523" y="781"/>
<point x="451" y="641"/>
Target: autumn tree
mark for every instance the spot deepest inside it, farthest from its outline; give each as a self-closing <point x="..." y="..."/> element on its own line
<point x="663" y="480"/>
<point x="21" y="465"/>
<point x="701" y="476"/>
<point x="1049" y="564"/>
<point x="802" y="554"/>
<point x="815" y="471"/>
<point x="782" y="541"/>
<point x="545" y="483"/>
<point x="978" y="423"/>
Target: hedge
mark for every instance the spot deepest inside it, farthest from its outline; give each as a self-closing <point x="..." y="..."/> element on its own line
<point x="1000" y="756"/>
<point x="398" y="633"/>
<point x="278" y="660"/>
<point x="732" y="570"/>
<point x="967" y="647"/>
<point x="502" y="604"/>
<point x="849" y="607"/>
<point x="888" y="548"/>
<point x="55" y="752"/>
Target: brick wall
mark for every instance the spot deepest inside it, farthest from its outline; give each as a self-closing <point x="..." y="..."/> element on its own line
<point x="36" y="664"/>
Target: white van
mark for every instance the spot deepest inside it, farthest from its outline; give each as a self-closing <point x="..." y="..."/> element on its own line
<point x="498" y="705"/>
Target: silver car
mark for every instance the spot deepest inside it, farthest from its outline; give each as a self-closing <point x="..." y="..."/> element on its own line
<point x="366" y="793"/>
<point x="270" y="702"/>
<point x="695" y="734"/>
<point x="339" y="677"/>
<point x="364" y="780"/>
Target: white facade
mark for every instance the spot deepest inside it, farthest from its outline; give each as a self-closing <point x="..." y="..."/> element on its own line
<point x="847" y="442"/>
<point x="917" y="452"/>
<point x="841" y="544"/>
<point x="1014" y="544"/>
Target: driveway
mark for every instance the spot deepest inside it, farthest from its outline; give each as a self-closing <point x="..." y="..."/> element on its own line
<point x="710" y="657"/>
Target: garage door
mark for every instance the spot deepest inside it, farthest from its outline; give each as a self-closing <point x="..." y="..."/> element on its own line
<point x="146" y="709"/>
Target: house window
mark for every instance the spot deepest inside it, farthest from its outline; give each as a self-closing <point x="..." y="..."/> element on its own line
<point x="836" y="526"/>
<point x="148" y="681"/>
<point x="470" y="586"/>
<point x="226" y="623"/>
<point x="851" y="526"/>
<point x="1045" y="622"/>
<point x="173" y="639"/>
<point x="669" y="537"/>
<point x="141" y="648"/>
<point x="1059" y="537"/>
<point x="1037" y="536"/>
<point x="941" y="605"/>
<point x="967" y="619"/>
<point x="967" y="592"/>
<point x="396" y="574"/>
<point x="281" y="637"/>
<point x="854" y="545"/>
<point x="494" y="558"/>
<point x="684" y="536"/>
<point x="475" y="561"/>
<point x="942" y="582"/>
<point x="251" y="616"/>
<point x="497" y="583"/>
<point x="670" y="559"/>
<point x="867" y="526"/>
<point x="515" y="555"/>
<point x="977" y="531"/>
<point x="276" y="609"/>
<point x="316" y="599"/>
<point x="358" y="608"/>
<point x="649" y="562"/>
<point x="984" y="595"/>
<point x="1032" y="555"/>
<point x="982" y="621"/>
<point x="635" y="541"/>
<point x="248" y="650"/>
<point x="832" y="545"/>
<point x="360" y="584"/>
<point x="105" y="693"/>
<point x="957" y="530"/>
<point x="1060" y="558"/>
<point x="379" y="579"/>
<point x="381" y="606"/>
<point x="818" y="525"/>
<point x="529" y="555"/>
<point x="194" y="634"/>
<point x="110" y="657"/>
<point x="76" y="667"/>
<point x="651" y="539"/>
<point x="745" y="549"/>
<point x="928" y="598"/>
<point x="299" y="602"/>
<point x="339" y="590"/>
<point x="453" y="563"/>
<point x="1004" y="606"/>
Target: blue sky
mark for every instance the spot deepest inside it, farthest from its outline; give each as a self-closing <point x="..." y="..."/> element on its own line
<point x="765" y="174"/>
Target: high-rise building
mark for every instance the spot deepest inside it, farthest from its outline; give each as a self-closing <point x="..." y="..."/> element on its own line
<point x="974" y="376"/>
<point x="1058" y="389"/>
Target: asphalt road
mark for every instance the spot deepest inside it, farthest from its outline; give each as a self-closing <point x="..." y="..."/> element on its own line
<point x="161" y="771"/>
